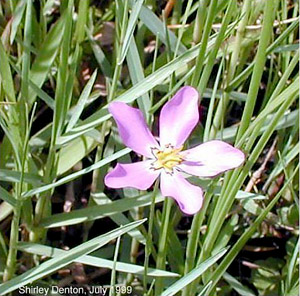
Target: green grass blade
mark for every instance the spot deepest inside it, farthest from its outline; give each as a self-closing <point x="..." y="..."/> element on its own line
<point x="237" y="286"/>
<point x="134" y="92"/>
<point x="269" y="14"/>
<point x="73" y="176"/>
<point x="15" y="176"/>
<point x="74" y="152"/>
<point x="156" y="26"/>
<point x="292" y="264"/>
<point x="17" y="18"/>
<point x="26" y="55"/>
<point x="288" y="120"/>
<point x="81" y="102"/>
<point x="6" y="196"/>
<point x="247" y="235"/>
<point x="46" y="55"/>
<point x="48" y="6"/>
<point x="137" y="74"/>
<point x="83" y="9"/>
<point x="64" y="259"/>
<point x="97" y="212"/>
<point x="43" y="250"/>
<point x="5" y="210"/>
<point x="6" y="76"/>
<point x="136" y="8"/>
<point x="194" y="274"/>
<point x="100" y="56"/>
<point x="245" y="73"/>
<point x="42" y="95"/>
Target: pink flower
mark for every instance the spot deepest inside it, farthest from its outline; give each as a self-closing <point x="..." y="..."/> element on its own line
<point x="166" y="160"/>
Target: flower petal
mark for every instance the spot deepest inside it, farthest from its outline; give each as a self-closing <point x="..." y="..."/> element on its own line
<point x="137" y="175"/>
<point x="178" y="117"/>
<point x="188" y="196"/>
<point x="133" y="129"/>
<point x="211" y="158"/>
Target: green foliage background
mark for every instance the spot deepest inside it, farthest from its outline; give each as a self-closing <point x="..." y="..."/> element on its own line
<point x="62" y="62"/>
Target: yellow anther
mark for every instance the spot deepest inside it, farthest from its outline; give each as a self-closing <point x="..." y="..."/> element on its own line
<point x="167" y="158"/>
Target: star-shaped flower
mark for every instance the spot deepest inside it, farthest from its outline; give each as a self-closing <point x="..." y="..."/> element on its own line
<point x="165" y="159"/>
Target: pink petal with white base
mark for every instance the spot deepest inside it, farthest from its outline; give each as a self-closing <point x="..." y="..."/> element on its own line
<point x="133" y="129"/>
<point x="179" y="117"/>
<point x="137" y="175"/>
<point x="211" y="158"/>
<point x="188" y="196"/>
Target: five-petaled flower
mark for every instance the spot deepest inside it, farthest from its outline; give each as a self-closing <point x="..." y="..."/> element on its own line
<point x="165" y="159"/>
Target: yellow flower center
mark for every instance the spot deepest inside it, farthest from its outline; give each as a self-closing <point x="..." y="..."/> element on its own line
<point x="167" y="158"/>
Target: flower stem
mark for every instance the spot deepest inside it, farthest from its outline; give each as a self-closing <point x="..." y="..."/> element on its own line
<point x="148" y="247"/>
<point x="14" y="237"/>
<point x="162" y="246"/>
<point x="191" y="249"/>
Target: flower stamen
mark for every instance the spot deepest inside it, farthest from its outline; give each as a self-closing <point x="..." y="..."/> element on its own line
<point x="166" y="159"/>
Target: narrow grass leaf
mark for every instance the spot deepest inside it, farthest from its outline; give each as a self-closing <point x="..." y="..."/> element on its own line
<point x="156" y="26"/>
<point x="100" y="56"/>
<point x="136" y="8"/>
<point x="41" y="138"/>
<point x="288" y="120"/>
<point x="249" y="195"/>
<point x="46" y="55"/>
<point x="43" y="250"/>
<point x="204" y="290"/>
<point x="42" y="95"/>
<point x="6" y="77"/>
<point x="6" y="196"/>
<point x="75" y="175"/>
<point x="119" y="218"/>
<point x="97" y="212"/>
<point x="246" y="235"/>
<point x="74" y="152"/>
<point x="245" y="73"/>
<point x="292" y="264"/>
<point x="17" y="17"/>
<point x="5" y="210"/>
<point x="81" y="102"/>
<point x="64" y="259"/>
<point x="14" y="141"/>
<point x="225" y="234"/>
<point x="85" y="126"/>
<point x="137" y="74"/>
<point x="194" y="274"/>
<point x="83" y="9"/>
<point x="134" y="92"/>
<point x="237" y="286"/>
<point x="48" y="6"/>
<point x="15" y="176"/>
<point x="38" y="91"/>
<point x="287" y="159"/>
<point x="26" y="56"/>
<point x="260" y="59"/>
